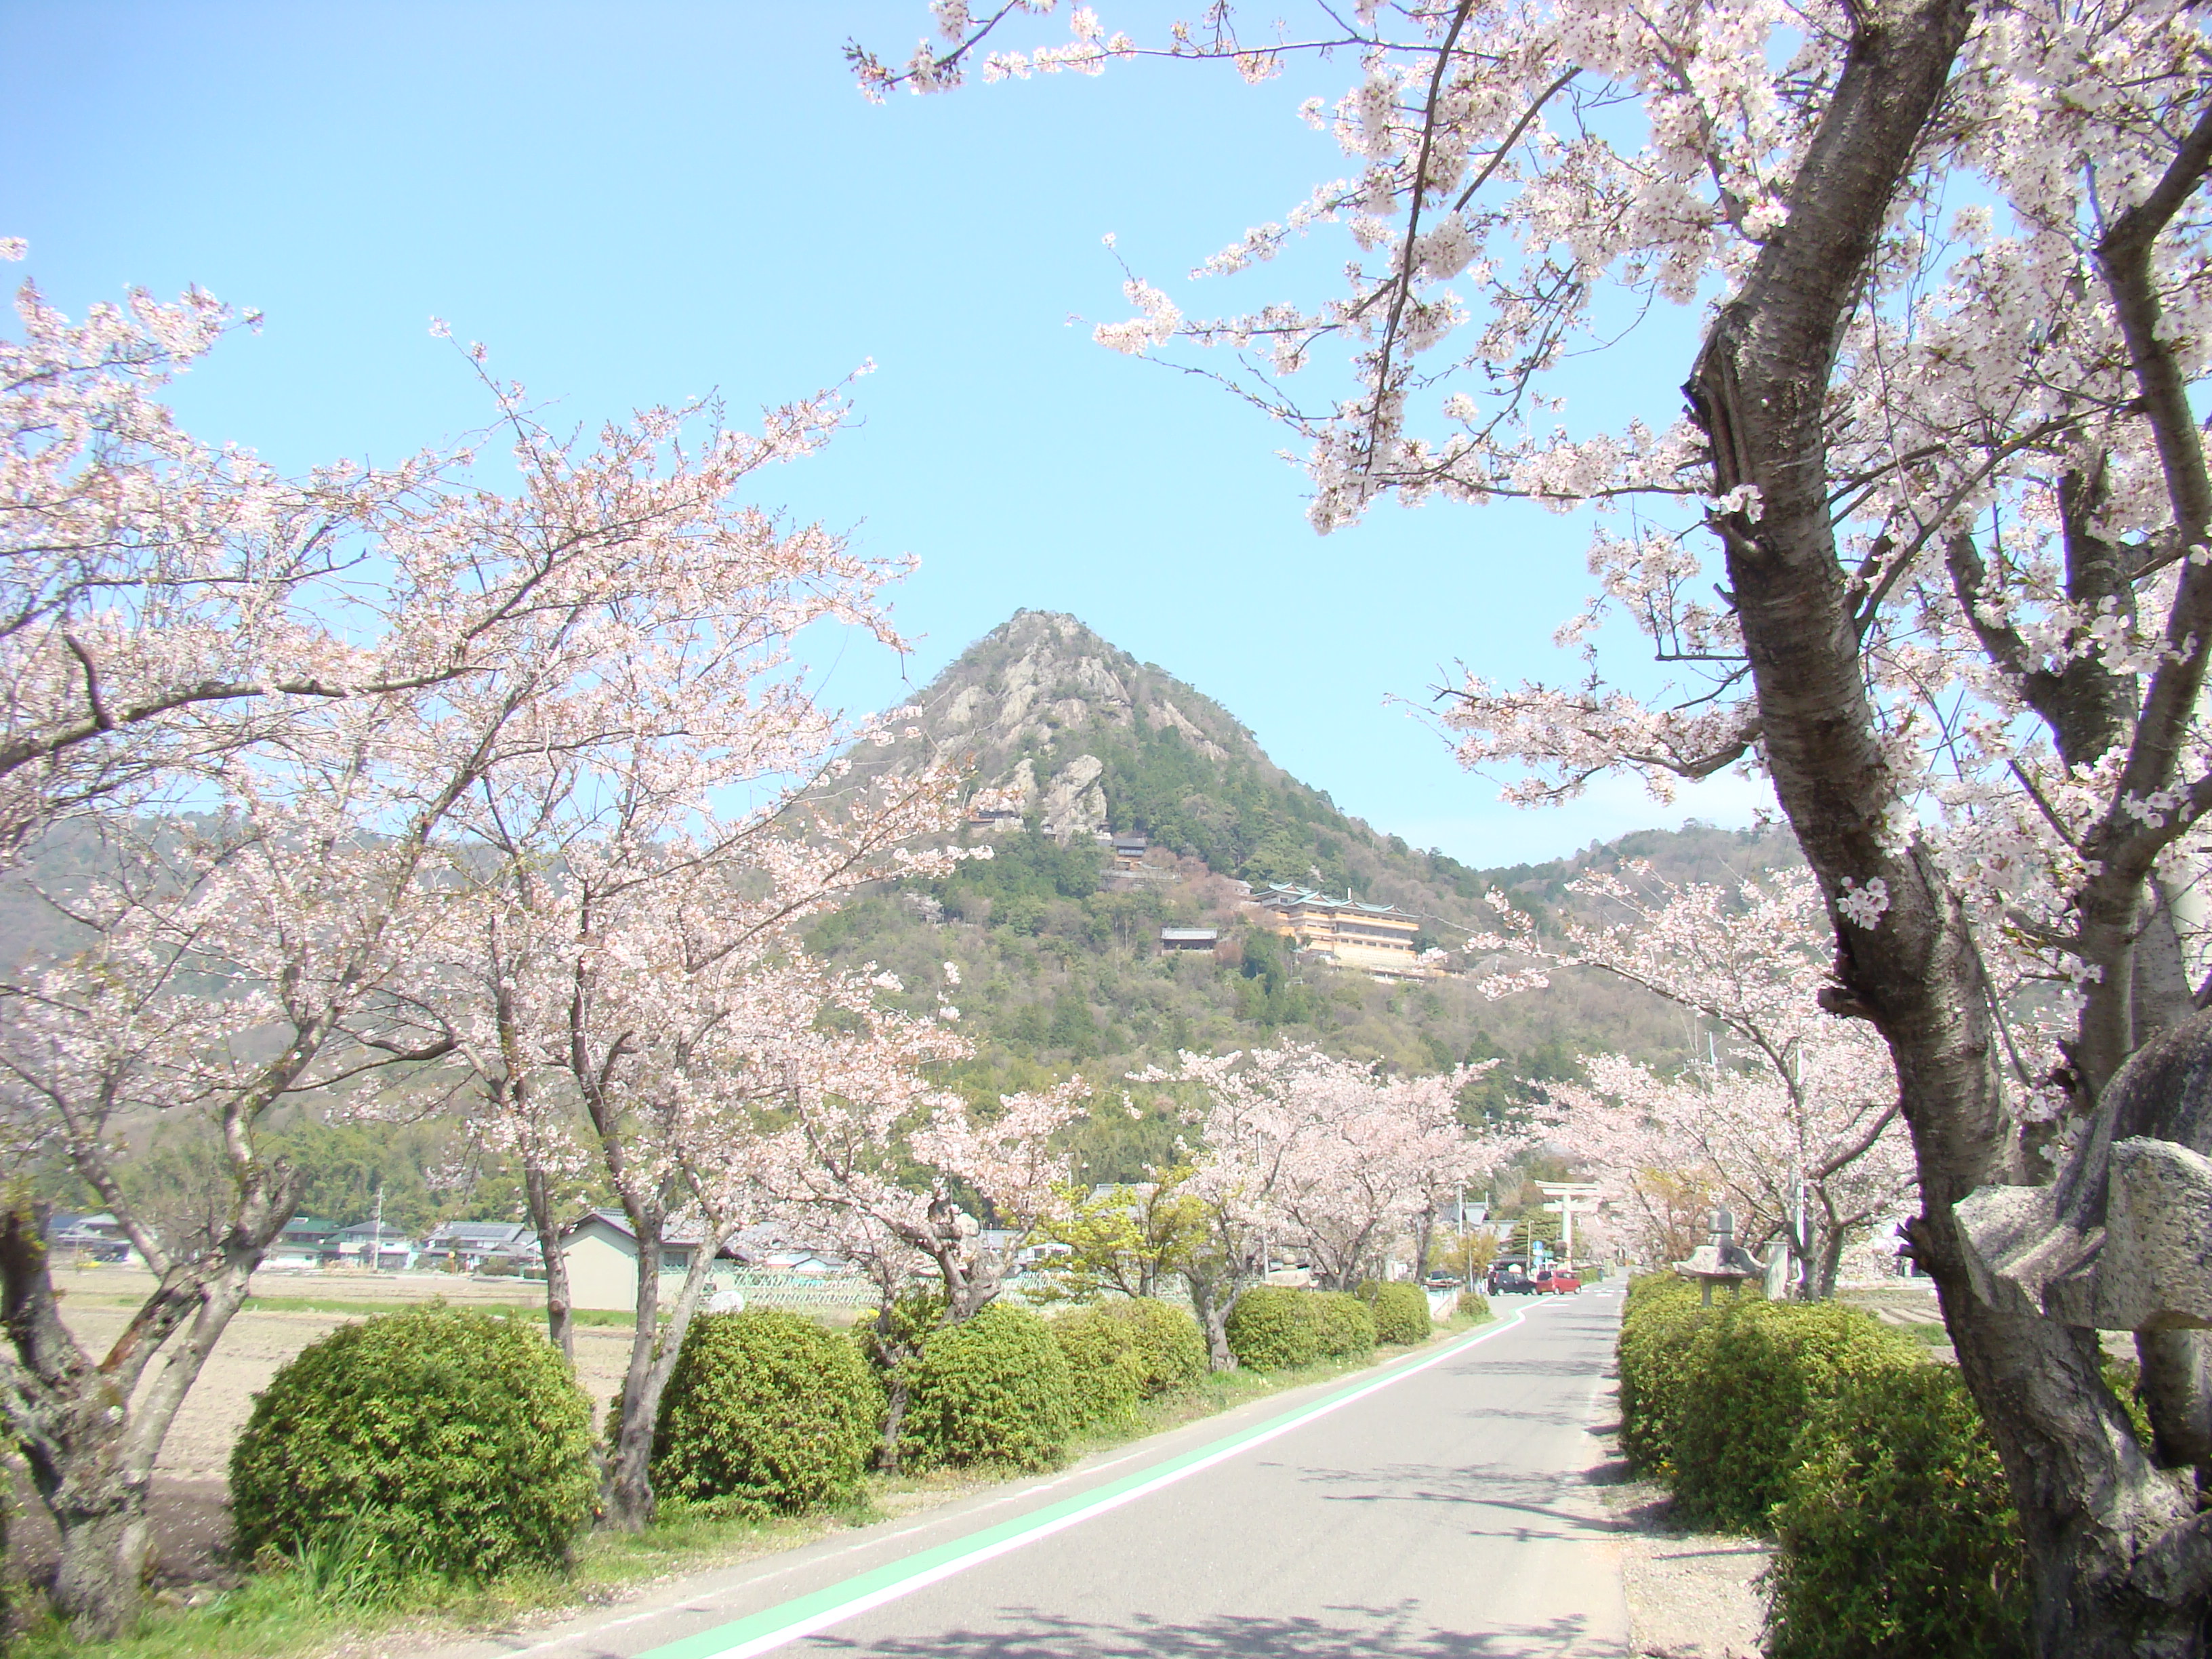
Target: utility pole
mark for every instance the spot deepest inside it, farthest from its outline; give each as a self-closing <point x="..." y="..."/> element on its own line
<point x="376" y="1241"/>
<point x="1466" y="1261"/>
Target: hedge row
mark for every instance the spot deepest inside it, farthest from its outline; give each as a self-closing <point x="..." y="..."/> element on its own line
<point x="994" y="1389"/>
<point x="1273" y="1329"/>
<point x="1895" y="1533"/>
<point x="453" y="1443"/>
<point x="1122" y="1352"/>
<point x="1402" y="1312"/>
<point x="766" y="1414"/>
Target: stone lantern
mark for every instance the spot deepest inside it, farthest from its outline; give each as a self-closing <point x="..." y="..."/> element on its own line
<point x="1721" y="1261"/>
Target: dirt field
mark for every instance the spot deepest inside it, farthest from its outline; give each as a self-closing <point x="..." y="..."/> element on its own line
<point x="190" y="1519"/>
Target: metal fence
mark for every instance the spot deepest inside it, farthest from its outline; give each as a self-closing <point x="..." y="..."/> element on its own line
<point x="800" y="1292"/>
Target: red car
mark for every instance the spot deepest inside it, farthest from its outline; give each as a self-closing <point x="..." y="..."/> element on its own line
<point x="1558" y="1281"/>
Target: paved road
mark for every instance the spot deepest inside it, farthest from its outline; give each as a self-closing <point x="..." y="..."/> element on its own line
<point x="1444" y="1512"/>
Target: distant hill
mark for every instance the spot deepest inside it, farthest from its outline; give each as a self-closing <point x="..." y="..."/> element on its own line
<point x="1058" y="951"/>
<point x="1087" y="738"/>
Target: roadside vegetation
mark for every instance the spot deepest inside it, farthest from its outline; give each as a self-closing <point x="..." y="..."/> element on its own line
<point x="769" y="1432"/>
<point x="1866" y="1462"/>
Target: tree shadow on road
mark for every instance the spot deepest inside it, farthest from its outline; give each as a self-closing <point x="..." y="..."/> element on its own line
<point x="1357" y="1633"/>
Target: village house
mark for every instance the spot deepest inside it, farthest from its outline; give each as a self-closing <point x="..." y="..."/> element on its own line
<point x="601" y="1251"/>
<point x="373" y="1244"/>
<point x="1375" y="939"/>
<point x="1189" y="938"/>
<point x="467" y="1246"/>
<point x="306" y="1244"/>
<point x="89" y="1237"/>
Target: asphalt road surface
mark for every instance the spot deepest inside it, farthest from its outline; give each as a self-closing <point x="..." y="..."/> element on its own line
<point x="1442" y="1510"/>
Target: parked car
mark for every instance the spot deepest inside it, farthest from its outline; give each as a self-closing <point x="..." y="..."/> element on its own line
<point x="1441" y="1282"/>
<point x="1557" y="1281"/>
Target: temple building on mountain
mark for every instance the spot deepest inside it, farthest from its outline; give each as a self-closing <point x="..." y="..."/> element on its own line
<point x="1375" y="939"/>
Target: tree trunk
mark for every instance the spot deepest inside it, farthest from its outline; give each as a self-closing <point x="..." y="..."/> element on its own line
<point x="654" y="1349"/>
<point x="90" y="1454"/>
<point x="545" y="1222"/>
<point x="896" y="1352"/>
<point x="2113" y="1552"/>
<point x="627" y="1492"/>
<point x="104" y="1543"/>
<point x="1211" y="1307"/>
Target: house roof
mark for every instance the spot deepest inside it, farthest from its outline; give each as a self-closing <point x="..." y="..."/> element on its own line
<point x="369" y="1230"/>
<point x="478" y="1232"/>
<point x="680" y="1233"/>
<point x="1190" y="935"/>
<point x="1282" y="895"/>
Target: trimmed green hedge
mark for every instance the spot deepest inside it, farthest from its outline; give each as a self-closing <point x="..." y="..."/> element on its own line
<point x="1712" y="1399"/>
<point x="1125" y="1349"/>
<point x="994" y="1389"/>
<point x="1106" y="1377"/>
<point x="430" y="1440"/>
<point x="1271" y="1329"/>
<point x="766" y="1412"/>
<point x="1345" y="1327"/>
<point x="1170" y="1349"/>
<point x="1897" y="1536"/>
<point x="1472" y="1305"/>
<point x="1760" y="1371"/>
<point x="1402" y="1312"/>
<point x="1659" y="1325"/>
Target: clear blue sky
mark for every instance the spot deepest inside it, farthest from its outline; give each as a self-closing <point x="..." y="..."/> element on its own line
<point x="635" y="203"/>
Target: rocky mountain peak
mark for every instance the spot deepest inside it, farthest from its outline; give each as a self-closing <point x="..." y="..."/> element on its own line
<point x="1031" y="705"/>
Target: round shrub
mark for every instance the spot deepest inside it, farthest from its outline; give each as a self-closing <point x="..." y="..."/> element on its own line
<point x="1273" y="1329"/>
<point x="766" y="1412"/>
<point x="1761" y="1371"/>
<point x="434" y="1440"/>
<point x="1105" y="1376"/>
<point x="992" y="1390"/>
<point x="1471" y="1305"/>
<point x="1401" y="1313"/>
<point x="1344" y="1326"/>
<point x="1170" y="1349"/>
<point x="1896" y="1534"/>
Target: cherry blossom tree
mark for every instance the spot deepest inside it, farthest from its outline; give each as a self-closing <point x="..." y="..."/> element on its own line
<point x="884" y="1167"/>
<point x="1373" y="1159"/>
<point x="331" y="673"/>
<point x="1293" y="1146"/>
<point x="1795" y="1122"/>
<point x="1939" y="436"/>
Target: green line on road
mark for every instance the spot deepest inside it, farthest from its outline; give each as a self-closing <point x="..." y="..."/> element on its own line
<point x="803" y="1616"/>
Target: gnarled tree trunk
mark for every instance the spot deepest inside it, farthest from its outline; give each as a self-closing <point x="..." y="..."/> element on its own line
<point x="90" y="1451"/>
<point x="2118" y="1558"/>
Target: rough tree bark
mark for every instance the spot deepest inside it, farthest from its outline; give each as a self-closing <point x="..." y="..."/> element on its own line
<point x="90" y="1448"/>
<point x="2118" y="1556"/>
<point x="626" y="1494"/>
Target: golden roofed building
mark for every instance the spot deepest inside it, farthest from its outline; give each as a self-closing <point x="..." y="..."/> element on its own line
<point x="1377" y="939"/>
